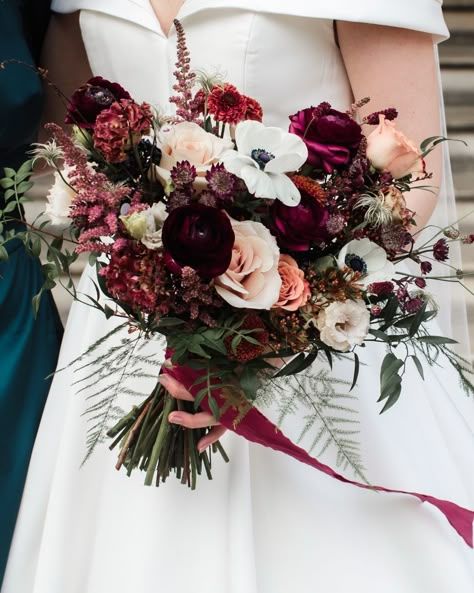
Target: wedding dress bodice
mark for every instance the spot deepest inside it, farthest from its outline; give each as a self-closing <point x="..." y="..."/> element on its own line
<point x="269" y="49"/>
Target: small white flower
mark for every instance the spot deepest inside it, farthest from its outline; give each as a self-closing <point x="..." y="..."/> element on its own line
<point x="146" y="226"/>
<point x="60" y="197"/>
<point x="362" y="255"/>
<point x="263" y="157"/>
<point x="156" y="217"/>
<point x="343" y="325"/>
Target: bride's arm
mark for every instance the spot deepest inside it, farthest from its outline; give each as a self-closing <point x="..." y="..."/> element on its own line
<point x="65" y="58"/>
<point x="397" y="68"/>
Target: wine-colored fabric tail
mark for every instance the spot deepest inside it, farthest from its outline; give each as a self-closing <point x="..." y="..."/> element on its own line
<point x="255" y="427"/>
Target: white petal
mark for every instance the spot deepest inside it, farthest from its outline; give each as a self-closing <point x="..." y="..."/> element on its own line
<point x="271" y="140"/>
<point x="246" y="134"/>
<point x="285" y="190"/>
<point x="234" y="163"/>
<point x="258" y="183"/>
<point x="285" y="163"/>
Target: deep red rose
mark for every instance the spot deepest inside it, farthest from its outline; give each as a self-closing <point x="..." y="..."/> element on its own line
<point x="330" y="135"/>
<point x="90" y="99"/>
<point x="298" y="227"/>
<point x="200" y="237"/>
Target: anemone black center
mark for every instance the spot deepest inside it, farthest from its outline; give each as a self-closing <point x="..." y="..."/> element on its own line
<point x="261" y="157"/>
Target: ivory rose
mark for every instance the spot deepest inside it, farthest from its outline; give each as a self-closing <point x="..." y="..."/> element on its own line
<point x="388" y="149"/>
<point x="186" y="141"/>
<point x="343" y="325"/>
<point x="294" y="291"/>
<point x="252" y="280"/>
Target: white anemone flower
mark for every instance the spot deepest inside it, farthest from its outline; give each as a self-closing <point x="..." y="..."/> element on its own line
<point x="263" y="157"/>
<point x="362" y="255"/>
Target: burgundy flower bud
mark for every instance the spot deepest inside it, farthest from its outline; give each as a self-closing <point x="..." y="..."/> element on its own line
<point x="330" y="136"/>
<point x="426" y="267"/>
<point x="413" y="305"/>
<point x="441" y="250"/>
<point x="200" y="237"/>
<point x="420" y="282"/>
<point x="90" y="99"/>
<point x="299" y="227"/>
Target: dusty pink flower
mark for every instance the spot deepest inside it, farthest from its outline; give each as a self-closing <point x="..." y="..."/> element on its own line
<point x="389" y="149"/>
<point x="294" y="291"/>
<point x="252" y="280"/>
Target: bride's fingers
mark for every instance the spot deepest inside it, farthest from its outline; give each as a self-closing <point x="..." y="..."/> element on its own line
<point x="211" y="437"/>
<point x="198" y="420"/>
<point x="177" y="389"/>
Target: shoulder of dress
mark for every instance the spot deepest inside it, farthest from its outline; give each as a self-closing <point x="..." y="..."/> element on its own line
<point x="135" y="11"/>
<point x="418" y="15"/>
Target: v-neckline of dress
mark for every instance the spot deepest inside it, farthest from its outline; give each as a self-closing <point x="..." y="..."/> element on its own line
<point x="159" y="26"/>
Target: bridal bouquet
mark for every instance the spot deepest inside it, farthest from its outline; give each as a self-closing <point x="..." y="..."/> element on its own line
<point x="253" y="249"/>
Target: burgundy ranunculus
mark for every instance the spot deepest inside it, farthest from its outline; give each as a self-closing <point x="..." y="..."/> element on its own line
<point x="298" y="227"/>
<point x="91" y="98"/>
<point x="200" y="237"/>
<point x="330" y="135"/>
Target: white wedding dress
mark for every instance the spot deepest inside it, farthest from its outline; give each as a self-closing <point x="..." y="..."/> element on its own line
<point x="266" y="523"/>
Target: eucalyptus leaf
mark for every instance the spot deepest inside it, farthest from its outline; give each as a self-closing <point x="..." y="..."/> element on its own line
<point x="356" y="370"/>
<point x="390" y="387"/>
<point x="436" y="340"/>
<point x="392" y="399"/>
<point x="292" y="367"/>
<point x="418" y="365"/>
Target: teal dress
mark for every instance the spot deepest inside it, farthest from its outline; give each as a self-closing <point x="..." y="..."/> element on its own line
<point x="28" y="347"/>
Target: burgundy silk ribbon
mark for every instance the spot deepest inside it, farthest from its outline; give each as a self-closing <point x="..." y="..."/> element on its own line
<point x="255" y="427"/>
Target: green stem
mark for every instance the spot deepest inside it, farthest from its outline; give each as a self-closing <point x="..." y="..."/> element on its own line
<point x="162" y="434"/>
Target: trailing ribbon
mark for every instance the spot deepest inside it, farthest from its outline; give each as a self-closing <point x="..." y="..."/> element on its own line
<point x="255" y="427"/>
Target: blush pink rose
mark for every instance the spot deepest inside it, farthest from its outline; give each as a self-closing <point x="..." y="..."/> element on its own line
<point x="388" y="149"/>
<point x="294" y="291"/>
<point x="186" y="141"/>
<point x="252" y="280"/>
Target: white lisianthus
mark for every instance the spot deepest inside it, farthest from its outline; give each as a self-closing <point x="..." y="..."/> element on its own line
<point x="252" y="280"/>
<point x="157" y="216"/>
<point x="362" y="255"/>
<point x="263" y="158"/>
<point x="60" y="196"/>
<point x="343" y="325"/>
<point x="146" y="225"/>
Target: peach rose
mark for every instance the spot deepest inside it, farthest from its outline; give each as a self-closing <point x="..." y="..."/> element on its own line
<point x="252" y="280"/>
<point x="294" y="291"/>
<point x="186" y="141"/>
<point x="390" y="150"/>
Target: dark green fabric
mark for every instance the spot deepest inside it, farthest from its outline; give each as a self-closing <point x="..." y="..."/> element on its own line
<point x="28" y="347"/>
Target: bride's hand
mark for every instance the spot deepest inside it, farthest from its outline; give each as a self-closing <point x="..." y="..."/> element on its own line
<point x="197" y="420"/>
